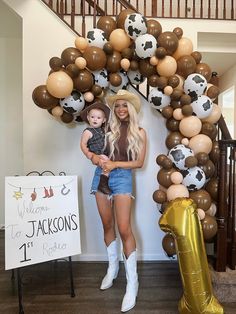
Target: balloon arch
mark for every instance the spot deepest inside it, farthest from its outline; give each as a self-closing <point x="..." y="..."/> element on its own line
<point x="132" y="49"/>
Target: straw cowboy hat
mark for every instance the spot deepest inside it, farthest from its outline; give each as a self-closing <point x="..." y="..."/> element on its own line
<point x="95" y="105"/>
<point x="125" y="95"/>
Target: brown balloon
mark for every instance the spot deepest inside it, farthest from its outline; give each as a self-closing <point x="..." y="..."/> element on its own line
<point x="95" y="57"/>
<point x="202" y="198"/>
<point x="160" y="158"/>
<point x="107" y="24"/>
<point x="167" y="112"/>
<point x="178" y="32"/>
<point x="215" y="152"/>
<point x="168" y="244"/>
<point x="173" y="81"/>
<point x="175" y="103"/>
<point x="67" y="117"/>
<point x="84" y="81"/>
<point x="191" y="161"/>
<point x="72" y="70"/>
<point x="212" y="188"/>
<point x="209" y="129"/>
<point x="162" y="82"/>
<point x="134" y="65"/>
<point x="159" y="196"/>
<point x="204" y="69"/>
<point x="115" y="79"/>
<point x="113" y="62"/>
<point x="43" y="99"/>
<point x="127" y="53"/>
<point x="209" y="227"/>
<point x="176" y="94"/>
<point x="120" y="21"/>
<point x="197" y="56"/>
<point x="154" y="28"/>
<point x="169" y="41"/>
<point x="208" y="168"/>
<point x="153" y="80"/>
<point x="160" y="52"/>
<point x="185" y="100"/>
<point x="163" y="177"/>
<point x="173" y="139"/>
<point x="55" y="63"/>
<point x="213" y="92"/>
<point x="167" y="163"/>
<point x="187" y="110"/>
<point x="186" y="65"/>
<point x="202" y="158"/>
<point x="108" y="49"/>
<point x="172" y="124"/>
<point x="96" y="90"/>
<point x="146" y="69"/>
<point x="69" y="55"/>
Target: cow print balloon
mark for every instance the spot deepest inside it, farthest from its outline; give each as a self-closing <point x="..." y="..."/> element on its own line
<point x="194" y="178"/>
<point x="74" y="103"/>
<point x="195" y="85"/>
<point x="145" y="46"/>
<point x="96" y="37"/>
<point x="178" y="155"/>
<point x="158" y="99"/>
<point x="135" y="77"/>
<point x="135" y="25"/>
<point x="101" y="78"/>
<point x="202" y="107"/>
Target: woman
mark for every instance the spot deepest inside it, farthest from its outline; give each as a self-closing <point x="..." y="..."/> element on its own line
<point x="126" y="145"/>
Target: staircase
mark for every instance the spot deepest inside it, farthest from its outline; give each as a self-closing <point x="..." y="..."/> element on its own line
<point x="70" y="11"/>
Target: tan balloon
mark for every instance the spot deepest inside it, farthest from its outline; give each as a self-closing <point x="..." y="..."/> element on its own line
<point x="177" y="114"/>
<point x="212" y="210"/>
<point x="57" y="111"/>
<point x="190" y="126"/>
<point x="168" y="90"/>
<point x="154" y="60"/>
<point x="81" y="63"/>
<point x="185" y="141"/>
<point x="119" y="39"/>
<point x="125" y="64"/>
<point x="200" y="143"/>
<point x="59" y="84"/>
<point x="88" y="96"/>
<point x="201" y="213"/>
<point x="185" y="47"/>
<point x="215" y="114"/>
<point x="176" y="177"/>
<point x="176" y="190"/>
<point x="81" y="43"/>
<point x="167" y="66"/>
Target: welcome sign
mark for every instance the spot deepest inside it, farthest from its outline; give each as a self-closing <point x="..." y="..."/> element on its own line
<point x="41" y="219"/>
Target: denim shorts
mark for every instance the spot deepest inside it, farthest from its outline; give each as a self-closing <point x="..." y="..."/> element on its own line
<point x="120" y="181"/>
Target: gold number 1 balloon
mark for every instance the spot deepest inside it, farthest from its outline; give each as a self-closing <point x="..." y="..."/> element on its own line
<point x="181" y="219"/>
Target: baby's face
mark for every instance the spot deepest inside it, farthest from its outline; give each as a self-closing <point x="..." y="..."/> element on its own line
<point x="96" y="118"/>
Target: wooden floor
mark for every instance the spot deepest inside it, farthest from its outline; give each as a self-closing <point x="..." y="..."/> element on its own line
<point x="46" y="289"/>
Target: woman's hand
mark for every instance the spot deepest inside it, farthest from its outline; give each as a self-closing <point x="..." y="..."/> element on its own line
<point x="109" y="165"/>
<point x="95" y="159"/>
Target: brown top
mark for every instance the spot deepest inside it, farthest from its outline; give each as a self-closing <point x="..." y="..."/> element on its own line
<point x="122" y="144"/>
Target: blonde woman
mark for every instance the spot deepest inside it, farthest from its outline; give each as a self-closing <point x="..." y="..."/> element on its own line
<point x="126" y="145"/>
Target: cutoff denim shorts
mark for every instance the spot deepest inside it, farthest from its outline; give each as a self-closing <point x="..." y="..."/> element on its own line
<point x="120" y="181"/>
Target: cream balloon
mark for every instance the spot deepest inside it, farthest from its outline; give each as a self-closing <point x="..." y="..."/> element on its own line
<point x="59" y="84"/>
<point x="167" y="66"/>
<point x="80" y="63"/>
<point x="125" y="64"/>
<point x="153" y="60"/>
<point x="57" y="111"/>
<point x="168" y="90"/>
<point x="176" y="190"/>
<point x="185" y="47"/>
<point x="190" y="126"/>
<point x="177" y="114"/>
<point x="200" y="143"/>
<point x="215" y="114"/>
<point x="185" y="141"/>
<point x="201" y="213"/>
<point x="88" y="96"/>
<point x="212" y="210"/>
<point x="176" y="177"/>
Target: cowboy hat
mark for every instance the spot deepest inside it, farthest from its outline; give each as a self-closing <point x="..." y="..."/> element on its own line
<point x="125" y="95"/>
<point x="95" y="105"/>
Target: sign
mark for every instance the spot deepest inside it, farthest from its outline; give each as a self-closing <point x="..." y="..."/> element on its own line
<point x="41" y="219"/>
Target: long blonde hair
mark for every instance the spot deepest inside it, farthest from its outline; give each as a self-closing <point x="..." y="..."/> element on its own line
<point x="134" y="138"/>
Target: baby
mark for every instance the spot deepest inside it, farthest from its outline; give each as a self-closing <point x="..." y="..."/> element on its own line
<point x="93" y="137"/>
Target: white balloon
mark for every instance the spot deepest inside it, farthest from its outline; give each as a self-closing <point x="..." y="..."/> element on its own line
<point x="135" y="77"/>
<point x="135" y="25"/>
<point x="178" y="155"/>
<point x="195" y="85"/>
<point x="145" y="46"/>
<point x="74" y="103"/>
<point x="101" y="78"/>
<point x="202" y="107"/>
<point x="158" y="99"/>
<point x="96" y="37"/>
<point x="194" y="178"/>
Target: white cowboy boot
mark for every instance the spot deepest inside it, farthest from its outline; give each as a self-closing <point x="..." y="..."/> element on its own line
<point x="113" y="266"/>
<point x="129" y="299"/>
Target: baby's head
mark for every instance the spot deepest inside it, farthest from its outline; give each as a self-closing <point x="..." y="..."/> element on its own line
<point x="96" y="117"/>
<point x="96" y="114"/>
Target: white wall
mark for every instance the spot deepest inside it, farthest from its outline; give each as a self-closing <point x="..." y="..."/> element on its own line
<point x="48" y="144"/>
<point x="11" y="132"/>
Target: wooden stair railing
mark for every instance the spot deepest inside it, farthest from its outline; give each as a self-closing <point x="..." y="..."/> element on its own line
<point x="225" y="243"/>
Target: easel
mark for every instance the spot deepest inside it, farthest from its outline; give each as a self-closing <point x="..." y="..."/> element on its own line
<point x="18" y="270"/>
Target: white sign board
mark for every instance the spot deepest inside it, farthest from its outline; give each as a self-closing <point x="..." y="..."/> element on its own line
<point x="41" y="219"/>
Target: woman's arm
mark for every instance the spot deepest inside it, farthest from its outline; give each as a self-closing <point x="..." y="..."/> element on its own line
<point x="84" y="142"/>
<point x="110" y="165"/>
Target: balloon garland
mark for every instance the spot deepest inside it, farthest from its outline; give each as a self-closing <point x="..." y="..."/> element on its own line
<point x="132" y="49"/>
